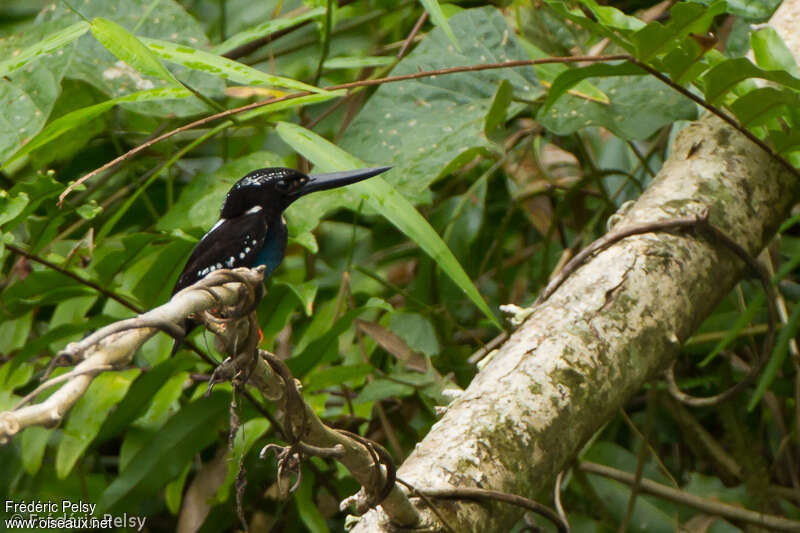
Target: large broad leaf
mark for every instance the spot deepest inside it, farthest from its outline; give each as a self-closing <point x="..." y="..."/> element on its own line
<point x="79" y="117"/>
<point x="685" y="18"/>
<point x="425" y="127"/>
<point x="640" y="105"/>
<point x="725" y="76"/>
<point x="96" y="65"/>
<point x="771" y="52"/>
<point x="384" y="199"/>
<point x="46" y="45"/>
<point x="31" y="79"/>
<point x="756" y="10"/>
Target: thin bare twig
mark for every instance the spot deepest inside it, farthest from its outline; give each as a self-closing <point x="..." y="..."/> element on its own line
<point x="727" y="511"/>
<point x="477" y="494"/>
<point x="105" y="292"/>
<point x="410" y="39"/>
<point x="361" y="83"/>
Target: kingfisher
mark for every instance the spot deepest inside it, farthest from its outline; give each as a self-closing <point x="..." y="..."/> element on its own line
<point x="251" y="230"/>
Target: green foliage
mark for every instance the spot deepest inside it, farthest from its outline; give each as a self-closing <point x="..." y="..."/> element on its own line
<point x="414" y="119"/>
<point x="390" y="285"/>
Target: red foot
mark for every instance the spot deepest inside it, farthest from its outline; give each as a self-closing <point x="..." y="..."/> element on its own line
<point x="260" y="335"/>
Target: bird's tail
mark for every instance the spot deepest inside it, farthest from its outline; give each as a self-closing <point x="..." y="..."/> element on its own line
<point x="188" y="326"/>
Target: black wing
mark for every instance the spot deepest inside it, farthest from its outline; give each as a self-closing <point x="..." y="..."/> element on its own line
<point x="231" y="243"/>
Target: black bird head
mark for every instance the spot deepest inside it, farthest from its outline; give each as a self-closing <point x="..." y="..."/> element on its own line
<point x="251" y="231"/>
<point x="274" y="189"/>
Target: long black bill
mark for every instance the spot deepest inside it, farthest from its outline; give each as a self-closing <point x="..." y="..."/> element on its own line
<point x="321" y="182"/>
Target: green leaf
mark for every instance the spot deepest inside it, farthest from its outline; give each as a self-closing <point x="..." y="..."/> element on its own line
<point x="27" y="95"/>
<point x="129" y="49"/>
<point x="75" y="95"/>
<point x="778" y="356"/>
<point x="387" y="201"/>
<point x="88" y="415"/>
<point x="317" y="350"/>
<point x="116" y="254"/>
<point x="292" y="103"/>
<point x="89" y="210"/>
<point x="771" y="53"/>
<point x="785" y="142"/>
<point x="306" y="240"/>
<point x="57" y="337"/>
<point x="722" y="78"/>
<point x="71" y="311"/>
<point x="275" y="311"/>
<point x="650" y="513"/>
<point x="42" y="288"/>
<point x="428" y="127"/>
<point x="640" y="105"/>
<point x="221" y="67"/>
<point x="417" y="331"/>
<point x="34" y="443"/>
<point x="305" y="292"/>
<point x="245" y="438"/>
<point x="496" y="117"/>
<point x="598" y="28"/>
<point x="380" y="389"/>
<point x="39" y="188"/>
<point x="733" y="332"/>
<point x="570" y="77"/>
<point x="336" y="375"/>
<point x="264" y="29"/>
<point x="48" y="44"/>
<point x="11" y="207"/>
<point x="687" y="61"/>
<point x="549" y="71"/>
<point x="760" y="105"/>
<point x="167" y="262"/>
<point x="79" y="117"/>
<point x="14" y="333"/>
<point x="139" y="396"/>
<point x="613" y="17"/>
<point x="437" y="17"/>
<point x="755" y="10"/>
<point x="15" y="376"/>
<point x="173" y="492"/>
<point x="165" y="455"/>
<point x="685" y="18"/>
<point x="163" y="403"/>
<point x="94" y="64"/>
<point x="307" y="508"/>
<point x="199" y="202"/>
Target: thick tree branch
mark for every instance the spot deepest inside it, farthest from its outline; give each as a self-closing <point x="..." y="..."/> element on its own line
<point x="615" y="324"/>
<point x="114" y="345"/>
<point x="234" y="293"/>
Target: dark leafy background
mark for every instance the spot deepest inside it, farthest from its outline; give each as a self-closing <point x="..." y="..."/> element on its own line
<point x="511" y="168"/>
